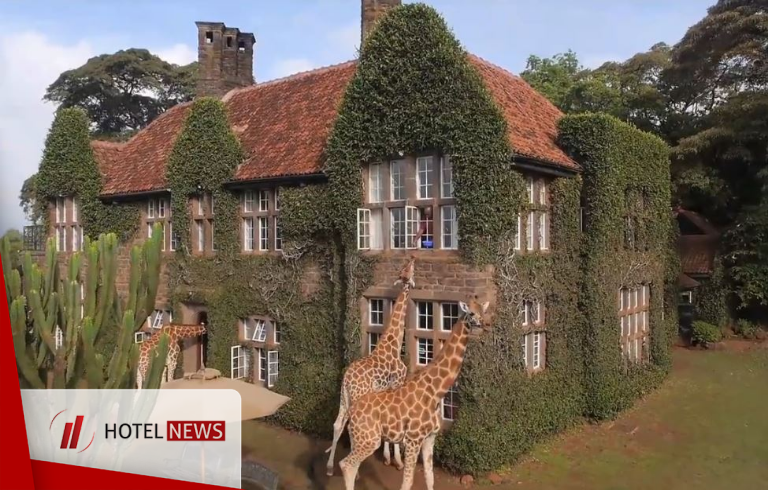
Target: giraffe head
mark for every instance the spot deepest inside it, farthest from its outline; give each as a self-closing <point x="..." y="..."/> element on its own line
<point x="474" y="313"/>
<point x="406" y="274"/>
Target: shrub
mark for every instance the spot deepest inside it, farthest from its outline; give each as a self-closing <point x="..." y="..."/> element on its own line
<point x="746" y="329"/>
<point x="705" y="333"/>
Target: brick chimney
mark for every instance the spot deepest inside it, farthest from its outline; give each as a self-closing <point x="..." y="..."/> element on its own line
<point x="225" y="58"/>
<point x="373" y="10"/>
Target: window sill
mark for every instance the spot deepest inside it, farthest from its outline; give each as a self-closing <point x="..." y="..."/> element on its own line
<point x="418" y="252"/>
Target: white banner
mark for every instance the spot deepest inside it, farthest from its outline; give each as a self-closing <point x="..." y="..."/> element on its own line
<point x="191" y="435"/>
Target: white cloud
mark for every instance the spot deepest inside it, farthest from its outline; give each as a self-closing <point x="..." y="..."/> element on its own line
<point x="290" y="66"/>
<point x="180" y="54"/>
<point x="29" y="62"/>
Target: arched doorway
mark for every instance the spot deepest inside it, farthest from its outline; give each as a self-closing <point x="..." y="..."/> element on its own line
<point x="202" y="356"/>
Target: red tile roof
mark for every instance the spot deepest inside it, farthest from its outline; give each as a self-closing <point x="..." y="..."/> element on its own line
<point x="697" y="253"/>
<point x="284" y="124"/>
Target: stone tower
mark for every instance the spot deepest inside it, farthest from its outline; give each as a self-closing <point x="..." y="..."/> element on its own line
<point x="372" y="11"/>
<point x="225" y="58"/>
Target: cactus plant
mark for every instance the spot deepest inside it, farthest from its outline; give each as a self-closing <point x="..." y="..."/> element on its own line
<point x="61" y="325"/>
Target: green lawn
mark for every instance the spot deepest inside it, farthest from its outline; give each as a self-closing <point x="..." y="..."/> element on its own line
<point x="706" y="428"/>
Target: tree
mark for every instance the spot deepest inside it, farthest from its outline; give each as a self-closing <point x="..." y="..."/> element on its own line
<point x="124" y="91"/>
<point x="33" y="210"/>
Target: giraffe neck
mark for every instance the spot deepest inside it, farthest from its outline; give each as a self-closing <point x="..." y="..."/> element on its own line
<point x="442" y="372"/>
<point x="392" y="338"/>
<point x="185" y="332"/>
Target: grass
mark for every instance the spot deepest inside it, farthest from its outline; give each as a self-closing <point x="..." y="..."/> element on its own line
<point x="706" y="428"/>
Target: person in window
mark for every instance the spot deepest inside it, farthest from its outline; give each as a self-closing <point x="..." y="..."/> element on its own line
<point x="424" y="237"/>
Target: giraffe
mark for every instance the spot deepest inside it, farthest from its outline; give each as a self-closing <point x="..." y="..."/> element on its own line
<point x="176" y="334"/>
<point x="410" y="414"/>
<point x="381" y="369"/>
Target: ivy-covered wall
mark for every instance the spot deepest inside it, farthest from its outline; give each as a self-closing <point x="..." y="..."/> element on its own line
<point x="626" y="243"/>
<point x="68" y="168"/>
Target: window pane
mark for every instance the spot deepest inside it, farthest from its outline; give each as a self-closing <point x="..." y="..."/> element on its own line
<point x="151" y="208"/>
<point x="536" y="350"/>
<point x="425" y="351"/>
<point x="248" y="199"/>
<point x="450" y="316"/>
<point x="425" y="315"/>
<point x="518" y="233"/>
<point x="273" y="367"/>
<point x="451" y="403"/>
<point x="529" y="232"/>
<point x="263" y="201"/>
<point x="450" y="231"/>
<point x="264" y="233"/>
<point x="248" y="236"/>
<point x="524" y="345"/>
<point x="200" y="235"/>
<point x="363" y="229"/>
<point x="377" y="241"/>
<point x="377" y="312"/>
<point x="543" y="238"/>
<point x="398" y="227"/>
<point x="376" y="188"/>
<point x="542" y="192"/>
<point x="373" y="340"/>
<point x="411" y="226"/>
<point x="530" y="190"/>
<point x="74" y="210"/>
<point x="161" y="208"/>
<point x="425" y="170"/>
<point x="278" y="235"/>
<point x="397" y="180"/>
<point x="446" y="177"/>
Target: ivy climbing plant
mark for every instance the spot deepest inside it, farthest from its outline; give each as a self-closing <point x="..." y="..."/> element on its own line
<point x="68" y="168"/>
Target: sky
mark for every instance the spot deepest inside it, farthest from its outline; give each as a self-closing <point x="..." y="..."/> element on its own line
<point x="39" y="39"/>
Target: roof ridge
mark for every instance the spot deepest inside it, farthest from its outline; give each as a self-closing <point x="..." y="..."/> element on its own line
<point x="156" y="120"/>
<point x="108" y="144"/>
<point x="289" y="78"/>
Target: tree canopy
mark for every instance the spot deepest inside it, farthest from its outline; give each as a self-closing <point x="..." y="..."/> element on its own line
<point x="124" y="91"/>
<point x="707" y="96"/>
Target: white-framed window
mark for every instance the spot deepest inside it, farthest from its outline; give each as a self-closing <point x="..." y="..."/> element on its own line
<point x="200" y="233"/>
<point x="634" y="330"/>
<point x="58" y="337"/>
<point x="375" y="183"/>
<point x="531" y="199"/>
<point x="446" y="177"/>
<point x="263" y="201"/>
<point x="363" y="229"/>
<point x="175" y="238"/>
<point x="450" y="227"/>
<point x="276" y="333"/>
<point x="269" y="363"/>
<point x="543" y="237"/>
<point x="373" y="340"/>
<point x="449" y="316"/>
<point x="249" y="198"/>
<point x="542" y="192"/>
<point x="397" y="218"/>
<point x="238" y="362"/>
<point x="61" y="239"/>
<point x="158" y="318"/>
<point x="75" y="217"/>
<point x="255" y="329"/>
<point x="200" y="208"/>
<point x="533" y="350"/>
<point x="426" y="315"/>
<point x="376" y="312"/>
<point x="412" y="220"/>
<point x="277" y="198"/>
<point x="61" y="214"/>
<point x="248" y="234"/>
<point x="686" y="297"/>
<point x="75" y="234"/>
<point x="263" y="233"/>
<point x="518" y="235"/>
<point x="278" y="234"/>
<point x="425" y="177"/>
<point x="450" y="403"/>
<point x="425" y="351"/>
<point x="397" y="180"/>
<point x="529" y="231"/>
<point x="139" y="337"/>
<point x="530" y="312"/>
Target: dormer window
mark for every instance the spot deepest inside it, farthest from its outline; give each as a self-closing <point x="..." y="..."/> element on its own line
<point x="261" y="230"/>
<point x="409" y="204"/>
<point x="533" y="226"/>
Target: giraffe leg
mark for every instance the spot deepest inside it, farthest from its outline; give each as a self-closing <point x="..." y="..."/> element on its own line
<point x="351" y="464"/>
<point x="427" y="450"/>
<point x="411" y="455"/>
<point x="171" y="367"/>
<point x="338" y="428"/>
<point x="386" y="453"/>
<point x="139" y="379"/>
<point x="398" y="459"/>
